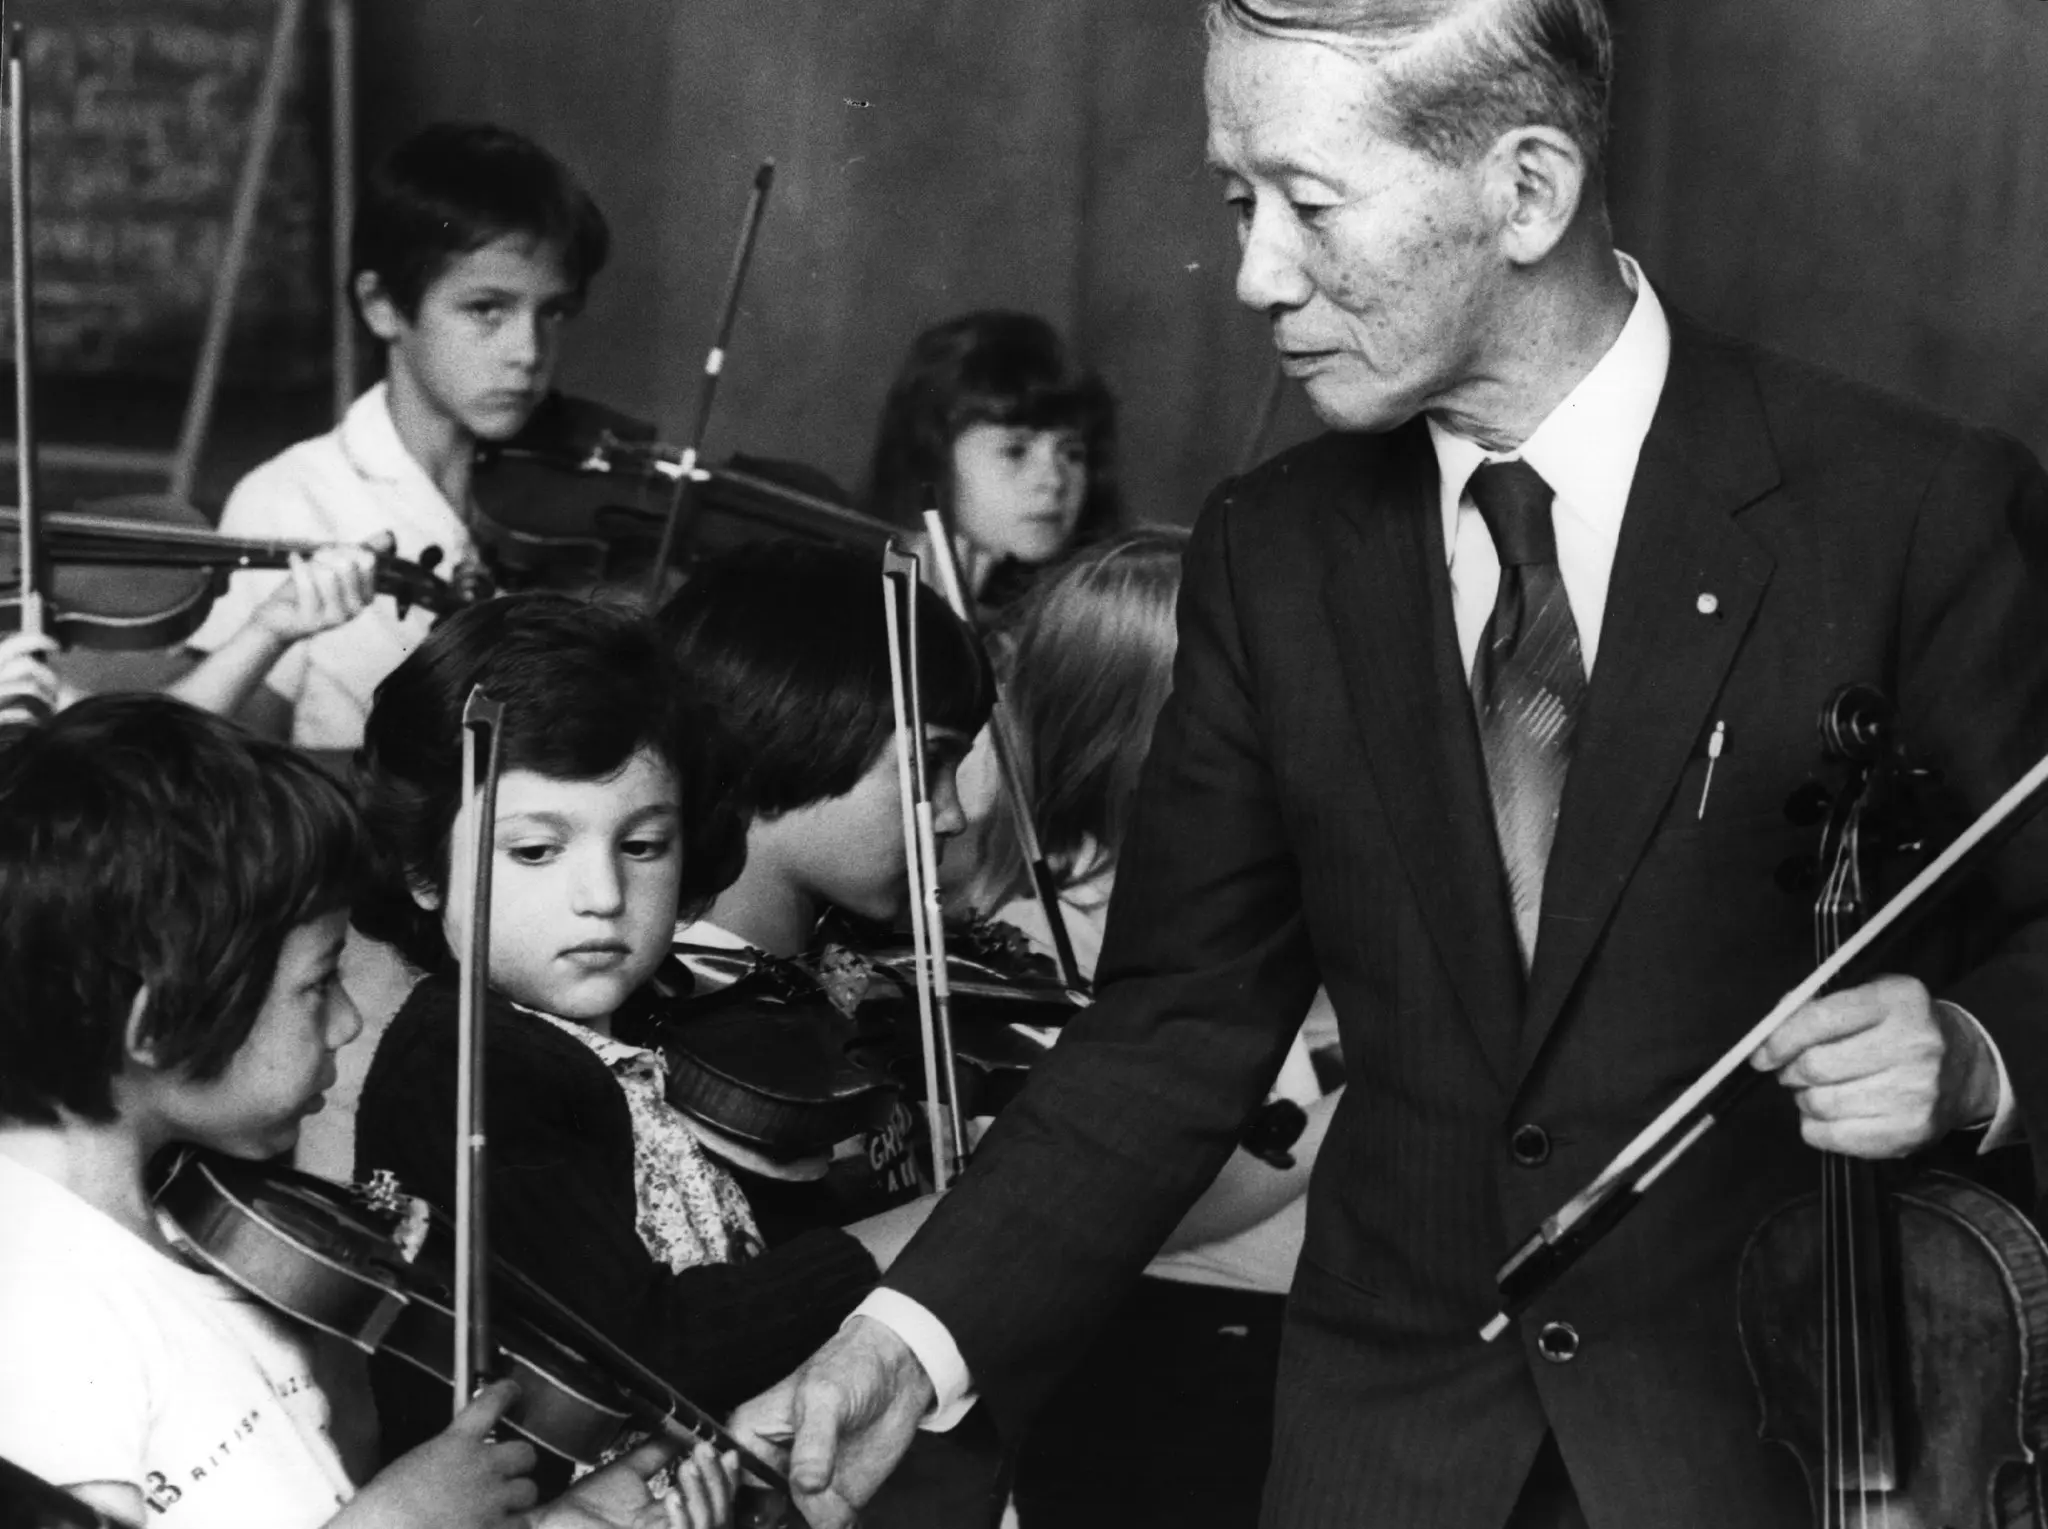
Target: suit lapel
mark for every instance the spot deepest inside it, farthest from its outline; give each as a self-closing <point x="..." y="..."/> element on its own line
<point x="1661" y="660"/>
<point x="1387" y="594"/>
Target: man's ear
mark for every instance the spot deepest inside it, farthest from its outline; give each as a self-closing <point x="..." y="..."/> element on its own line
<point x="379" y="309"/>
<point x="134" y="1044"/>
<point x="1541" y="178"/>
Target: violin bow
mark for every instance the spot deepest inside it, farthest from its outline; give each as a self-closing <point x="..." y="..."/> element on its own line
<point x="901" y="577"/>
<point x="707" y="389"/>
<point x="481" y="723"/>
<point x="35" y="570"/>
<point x="1558" y="1243"/>
<point x="1005" y="736"/>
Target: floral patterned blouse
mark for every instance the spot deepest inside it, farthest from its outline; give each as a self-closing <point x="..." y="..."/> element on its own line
<point x="689" y="1210"/>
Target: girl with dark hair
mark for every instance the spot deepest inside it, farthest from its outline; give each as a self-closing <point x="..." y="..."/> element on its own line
<point x="993" y="416"/>
<point x="613" y="811"/>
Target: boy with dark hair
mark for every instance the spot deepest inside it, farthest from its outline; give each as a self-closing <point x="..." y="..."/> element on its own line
<point x="473" y="246"/>
<point x="172" y="906"/>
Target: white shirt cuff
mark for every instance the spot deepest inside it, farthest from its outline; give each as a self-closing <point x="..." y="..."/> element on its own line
<point x="2004" y="1126"/>
<point x="933" y="1347"/>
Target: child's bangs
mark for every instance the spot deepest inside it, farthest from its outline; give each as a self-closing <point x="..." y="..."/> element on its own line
<point x="1036" y="403"/>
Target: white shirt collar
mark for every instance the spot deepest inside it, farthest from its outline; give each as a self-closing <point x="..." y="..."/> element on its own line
<point x="369" y="439"/>
<point x="1587" y="447"/>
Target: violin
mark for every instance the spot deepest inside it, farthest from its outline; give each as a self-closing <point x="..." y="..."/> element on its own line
<point x="780" y="1064"/>
<point x="1896" y="1320"/>
<point x="142" y="572"/>
<point x="578" y="499"/>
<point x="584" y="496"/>
<point x="378" y="1269"/>
<point x="769" y="1061"/>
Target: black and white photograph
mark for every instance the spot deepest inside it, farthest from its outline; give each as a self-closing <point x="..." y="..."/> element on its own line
<point x="1071" y="764"/>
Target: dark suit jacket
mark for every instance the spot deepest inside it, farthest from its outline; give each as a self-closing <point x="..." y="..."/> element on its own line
<point x="1314" y="808"/>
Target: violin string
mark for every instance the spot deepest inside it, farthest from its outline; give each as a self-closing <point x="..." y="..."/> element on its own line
<point x="1836" y="1373"/>
<point x="1831" y="1412"/>
<point x="1845" y="907"/>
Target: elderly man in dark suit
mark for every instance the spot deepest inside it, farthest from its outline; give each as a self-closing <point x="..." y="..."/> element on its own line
<point x="1486" y="709"/>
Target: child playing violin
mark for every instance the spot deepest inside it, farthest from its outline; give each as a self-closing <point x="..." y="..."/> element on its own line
<point x="473" y="246"/>
<point x="172" y="905"/>
<point x="610" y="811"/>
<point x="1166" y="1421"/>
<point x="990" y="413"/>
<point x="787" y="645"/>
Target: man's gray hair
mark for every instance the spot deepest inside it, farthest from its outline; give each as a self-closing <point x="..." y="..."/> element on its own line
<point x="1456" y="74"/>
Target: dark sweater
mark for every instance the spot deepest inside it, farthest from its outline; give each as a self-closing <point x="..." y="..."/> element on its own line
<point x="562" y="1208"/>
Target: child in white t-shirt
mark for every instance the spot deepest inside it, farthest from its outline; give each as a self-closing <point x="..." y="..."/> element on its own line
<point x="171" y="912"/>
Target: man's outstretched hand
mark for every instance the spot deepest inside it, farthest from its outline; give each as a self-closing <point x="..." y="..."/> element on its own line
<point x="844" y="1420"/>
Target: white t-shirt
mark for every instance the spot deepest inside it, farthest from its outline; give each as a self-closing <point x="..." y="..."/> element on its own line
<point x="344" y="486"/>
<point x="118" y="1363"/>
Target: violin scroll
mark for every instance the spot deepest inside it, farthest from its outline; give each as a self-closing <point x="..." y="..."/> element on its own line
<point x="1856" y="724"/>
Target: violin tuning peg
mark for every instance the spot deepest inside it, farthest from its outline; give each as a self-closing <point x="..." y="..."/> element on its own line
<point x="430" y="558"/>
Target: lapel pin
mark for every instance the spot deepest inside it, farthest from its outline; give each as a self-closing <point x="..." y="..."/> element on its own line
<point x="1708" y="603"/>
<point x="1715" y="743"/>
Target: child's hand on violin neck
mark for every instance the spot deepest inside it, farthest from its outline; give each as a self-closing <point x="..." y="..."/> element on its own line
<point x="324" y="590"/>
<point x="459" y="1479"/>
<point x="28" y="689"/>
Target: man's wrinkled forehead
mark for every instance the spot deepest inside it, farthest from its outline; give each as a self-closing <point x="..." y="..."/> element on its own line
<point x="1282" y="103"/>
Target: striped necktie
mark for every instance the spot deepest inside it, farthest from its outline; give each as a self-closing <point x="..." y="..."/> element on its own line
<point x="1528" y="683"/>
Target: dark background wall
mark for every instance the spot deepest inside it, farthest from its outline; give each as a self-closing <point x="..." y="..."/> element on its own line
<point x="1864" y="182"/>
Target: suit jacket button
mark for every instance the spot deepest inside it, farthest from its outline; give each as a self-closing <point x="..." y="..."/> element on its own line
<point x="1558" y="1342"/>
<point x="1530" y="1146"/>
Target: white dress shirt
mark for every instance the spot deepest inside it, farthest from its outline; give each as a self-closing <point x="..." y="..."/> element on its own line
<point x="1586" y="449"/>
<point x="344" y="486"/>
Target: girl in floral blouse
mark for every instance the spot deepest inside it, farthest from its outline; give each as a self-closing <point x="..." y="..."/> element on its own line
<point x="610" y="814"/>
